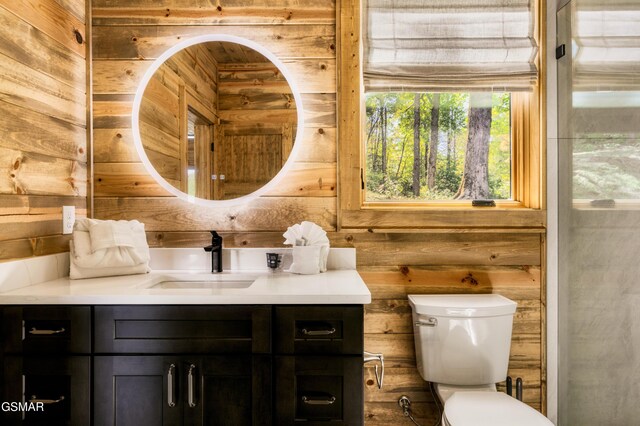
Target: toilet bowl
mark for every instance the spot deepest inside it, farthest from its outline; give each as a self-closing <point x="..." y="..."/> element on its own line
<point x="462" y="346"/>
<point x="488" y="408"/>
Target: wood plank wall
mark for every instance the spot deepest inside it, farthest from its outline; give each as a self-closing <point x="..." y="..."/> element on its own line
<point x="253" y="149"/>
<point x="188" y="72"/>
<point x="129" y="35"/>
<point x="43" y="149"/>
<point x="394" y="263"/>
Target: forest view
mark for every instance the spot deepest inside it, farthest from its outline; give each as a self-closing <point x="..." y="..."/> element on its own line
<point x="438" y="146"/>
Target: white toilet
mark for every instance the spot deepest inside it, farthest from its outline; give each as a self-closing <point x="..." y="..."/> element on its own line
<point x="462" y="346"/>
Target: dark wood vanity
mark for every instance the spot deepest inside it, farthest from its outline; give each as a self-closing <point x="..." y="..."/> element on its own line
<point x="193" y="365"/>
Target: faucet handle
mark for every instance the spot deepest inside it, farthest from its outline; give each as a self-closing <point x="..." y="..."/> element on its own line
<point x="216" y="239"/>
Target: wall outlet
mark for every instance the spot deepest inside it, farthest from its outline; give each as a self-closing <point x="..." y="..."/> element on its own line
<point x="68" y="219"/>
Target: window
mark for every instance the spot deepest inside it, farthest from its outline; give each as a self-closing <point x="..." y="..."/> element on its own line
<point x="601" y="118"/>
<point x="419" y="146"/>
<point x="440" y="81"/>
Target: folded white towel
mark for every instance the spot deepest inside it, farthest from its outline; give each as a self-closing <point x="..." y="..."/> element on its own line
<point x="308" y="234"/>
<point x="110" y="233"/>
<point x="106" y="248"/>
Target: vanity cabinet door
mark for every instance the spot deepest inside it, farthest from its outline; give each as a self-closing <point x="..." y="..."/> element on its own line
<point x="182" y="390"/>
<point x="226" y="390"/>
<point x="318" y="390"/>
<point x="137" y="391"/>
<point x="56" y="388"/>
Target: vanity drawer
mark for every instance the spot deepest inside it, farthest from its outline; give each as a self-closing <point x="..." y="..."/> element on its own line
<point x="46" y="329"/>
<point x="58" y="386"/>
<point x="182" y="329"/>
<point x="319" y="329"/>
<point x="319" y="389"/>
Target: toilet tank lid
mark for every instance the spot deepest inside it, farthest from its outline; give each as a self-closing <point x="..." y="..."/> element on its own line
<point x="490" y="409"/>
<point x="462" y="305"/>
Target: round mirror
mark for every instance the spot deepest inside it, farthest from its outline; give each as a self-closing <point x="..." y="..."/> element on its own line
<point x="215" y="120"/>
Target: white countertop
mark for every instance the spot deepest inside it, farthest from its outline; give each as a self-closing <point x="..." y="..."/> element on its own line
<point x="331" y="287"/>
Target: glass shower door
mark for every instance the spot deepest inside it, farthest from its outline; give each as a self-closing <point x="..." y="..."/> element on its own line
<point x="599" y="213"/>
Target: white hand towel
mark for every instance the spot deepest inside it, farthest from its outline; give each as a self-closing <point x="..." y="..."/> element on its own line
<point x="113" y="248"/>
<point x="110" y="233"/>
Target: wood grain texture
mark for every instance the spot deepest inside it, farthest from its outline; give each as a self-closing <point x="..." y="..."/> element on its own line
<point x="442" y="249"/>
<point x="25" y="87"/>
<point x="36" y="246"/>
<point x="33" y="48"/>
<point x="445" y="218"/>
<point x="37" y="204"/>
<point x="161" y="214"/>
<point x="516" y="282"/>
<point x="116" y="144"/>
<point x="34" y="132"/>
<point x="122" y="76"/>
<point x="206" y="13"/>
<point x="43" y="142"/>
<point x="465" y="251"/>
<point x="149" y="42"/>
<point x="122" y="53"/>
<point x="38" y="174"/>
<point x="52" y="18"/>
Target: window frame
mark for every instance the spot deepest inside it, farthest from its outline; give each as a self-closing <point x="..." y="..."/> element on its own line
<point x="526" y="209"/>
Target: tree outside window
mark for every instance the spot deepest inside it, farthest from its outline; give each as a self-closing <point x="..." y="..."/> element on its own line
<point x="438" y="146"/>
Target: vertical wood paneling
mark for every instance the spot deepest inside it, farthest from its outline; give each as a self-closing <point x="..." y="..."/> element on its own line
<point x="43" y="147"/>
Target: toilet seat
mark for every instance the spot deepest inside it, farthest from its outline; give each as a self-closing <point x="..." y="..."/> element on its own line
<point x="474" y="408"/>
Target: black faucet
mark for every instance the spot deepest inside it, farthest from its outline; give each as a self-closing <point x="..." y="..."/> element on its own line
<point x="216" y="252"/>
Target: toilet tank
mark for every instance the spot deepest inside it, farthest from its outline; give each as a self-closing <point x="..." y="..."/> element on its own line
<point x="462" y="339"/>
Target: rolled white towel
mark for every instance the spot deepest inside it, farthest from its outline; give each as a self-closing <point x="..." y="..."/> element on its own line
<point x="305" y="235"/>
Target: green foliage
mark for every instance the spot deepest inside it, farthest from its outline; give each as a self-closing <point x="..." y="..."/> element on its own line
<point x="393" y="178"/>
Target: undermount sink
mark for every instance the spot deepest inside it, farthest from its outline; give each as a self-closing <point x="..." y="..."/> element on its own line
<point x="174" y="284"/>
<point x="203" y="282"/>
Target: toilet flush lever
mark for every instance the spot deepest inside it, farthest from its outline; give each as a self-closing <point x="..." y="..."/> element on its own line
<point x="431" y="322"/>
<point x="368" y="357"/>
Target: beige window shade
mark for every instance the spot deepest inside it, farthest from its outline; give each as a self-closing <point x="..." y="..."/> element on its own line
<point x="606" y="45"/>
<point x="433" y="45"/>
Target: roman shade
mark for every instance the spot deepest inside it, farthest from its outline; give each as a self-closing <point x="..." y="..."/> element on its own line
<point x="447" y="45"/>
<point x="606" y="43"/>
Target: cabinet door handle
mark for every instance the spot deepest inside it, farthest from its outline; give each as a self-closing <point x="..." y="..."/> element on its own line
<point x="46" y="332"/>
<point x="328" y="332"/>
<point x="191" y="390"/>
<point x="318" y="401"/>
<point x="171" y="386"/>
<point x="35" y="399"/>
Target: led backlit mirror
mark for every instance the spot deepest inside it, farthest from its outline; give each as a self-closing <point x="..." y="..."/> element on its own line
<point x="215" y="120"/>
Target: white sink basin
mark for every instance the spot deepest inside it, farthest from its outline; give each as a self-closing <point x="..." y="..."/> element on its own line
<point x="205" y="282"/>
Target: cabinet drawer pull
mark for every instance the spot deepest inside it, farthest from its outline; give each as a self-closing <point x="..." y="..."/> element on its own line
<point x="191" y="396"/>
<point x="171" y="399"/>
<point x="318" y="401"/>
<point x="35" y="399"/>
<point x="46" y="332"/>
<point x="318" y="332"/>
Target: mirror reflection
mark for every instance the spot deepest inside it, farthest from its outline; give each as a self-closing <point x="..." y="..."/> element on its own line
<point x="217" y="120"/>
